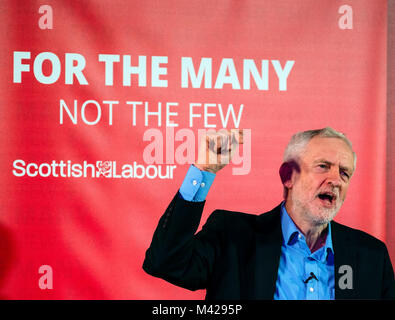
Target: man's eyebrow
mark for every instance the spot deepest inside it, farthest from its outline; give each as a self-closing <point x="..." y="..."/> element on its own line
<point x="347" y="169"/>
<point x="323" y="161"/>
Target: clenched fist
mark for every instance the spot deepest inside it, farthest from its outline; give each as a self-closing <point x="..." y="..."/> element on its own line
<point x="217" y="149"/>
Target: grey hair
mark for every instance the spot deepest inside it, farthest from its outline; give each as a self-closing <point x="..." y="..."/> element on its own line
<point x="299" y="141"/>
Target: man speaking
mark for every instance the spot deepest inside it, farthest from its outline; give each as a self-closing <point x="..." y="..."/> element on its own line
<point x="295" y="251"/>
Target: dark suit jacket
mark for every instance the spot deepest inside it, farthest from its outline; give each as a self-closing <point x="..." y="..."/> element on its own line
<point x="236" y="255"/>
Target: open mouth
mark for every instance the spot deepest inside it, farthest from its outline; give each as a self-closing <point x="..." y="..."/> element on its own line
<point x="328" y="198"/>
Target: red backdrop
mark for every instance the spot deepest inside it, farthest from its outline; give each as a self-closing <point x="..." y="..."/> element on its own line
<point x="93" y="231"/>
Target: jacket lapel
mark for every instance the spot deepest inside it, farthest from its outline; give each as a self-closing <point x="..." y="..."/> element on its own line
<point x="345" y="257"/>
<point x="268" y="251"/>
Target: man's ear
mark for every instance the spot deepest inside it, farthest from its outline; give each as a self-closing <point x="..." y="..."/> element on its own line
<point x="286" y="171"/>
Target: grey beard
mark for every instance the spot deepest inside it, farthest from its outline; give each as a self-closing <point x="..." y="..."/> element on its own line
<point x="325" y="216"/>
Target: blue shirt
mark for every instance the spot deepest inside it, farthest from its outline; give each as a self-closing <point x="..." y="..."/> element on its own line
<point x="296" y="260"/>
<point x="196" y="184"/>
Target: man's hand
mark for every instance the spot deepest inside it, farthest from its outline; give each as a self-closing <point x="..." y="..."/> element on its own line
<point x="217" y="149"/>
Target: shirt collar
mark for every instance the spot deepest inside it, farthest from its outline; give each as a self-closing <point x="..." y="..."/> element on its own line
<point x="291" y="232"/>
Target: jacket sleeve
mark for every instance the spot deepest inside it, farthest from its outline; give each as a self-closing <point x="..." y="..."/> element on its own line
<point x="176" y="253"/>
<point x="388" y="278"/>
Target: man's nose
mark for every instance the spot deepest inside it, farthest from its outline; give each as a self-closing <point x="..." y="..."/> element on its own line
<point x="334" y="177"/>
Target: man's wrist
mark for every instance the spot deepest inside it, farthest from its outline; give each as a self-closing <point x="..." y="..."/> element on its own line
<point x="196" y="184"/>
<point x="204" y="168"/>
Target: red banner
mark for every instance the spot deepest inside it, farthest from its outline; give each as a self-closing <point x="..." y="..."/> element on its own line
<point x="103" y="103"/>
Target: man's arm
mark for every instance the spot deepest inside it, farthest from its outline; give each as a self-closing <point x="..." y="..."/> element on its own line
<point x="176" y="254"/>
<point x="179" y="256"/>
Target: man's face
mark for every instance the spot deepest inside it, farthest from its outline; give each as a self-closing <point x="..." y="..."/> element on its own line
<point x="317" y="192"/>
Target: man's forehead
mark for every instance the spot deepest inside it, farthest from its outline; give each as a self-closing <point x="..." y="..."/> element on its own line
<point x="328" y="149"/>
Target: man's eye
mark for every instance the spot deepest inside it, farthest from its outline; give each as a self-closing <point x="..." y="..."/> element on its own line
<point x="343" y="173"/>
<point x="323" y="166"/>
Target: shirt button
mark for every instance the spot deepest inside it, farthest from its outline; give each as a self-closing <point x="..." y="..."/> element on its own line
<point x="202" y="184"/>
<point x="194" y="182"/>
<point x="299" y="236"/>
<point x="311" y="289"/>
